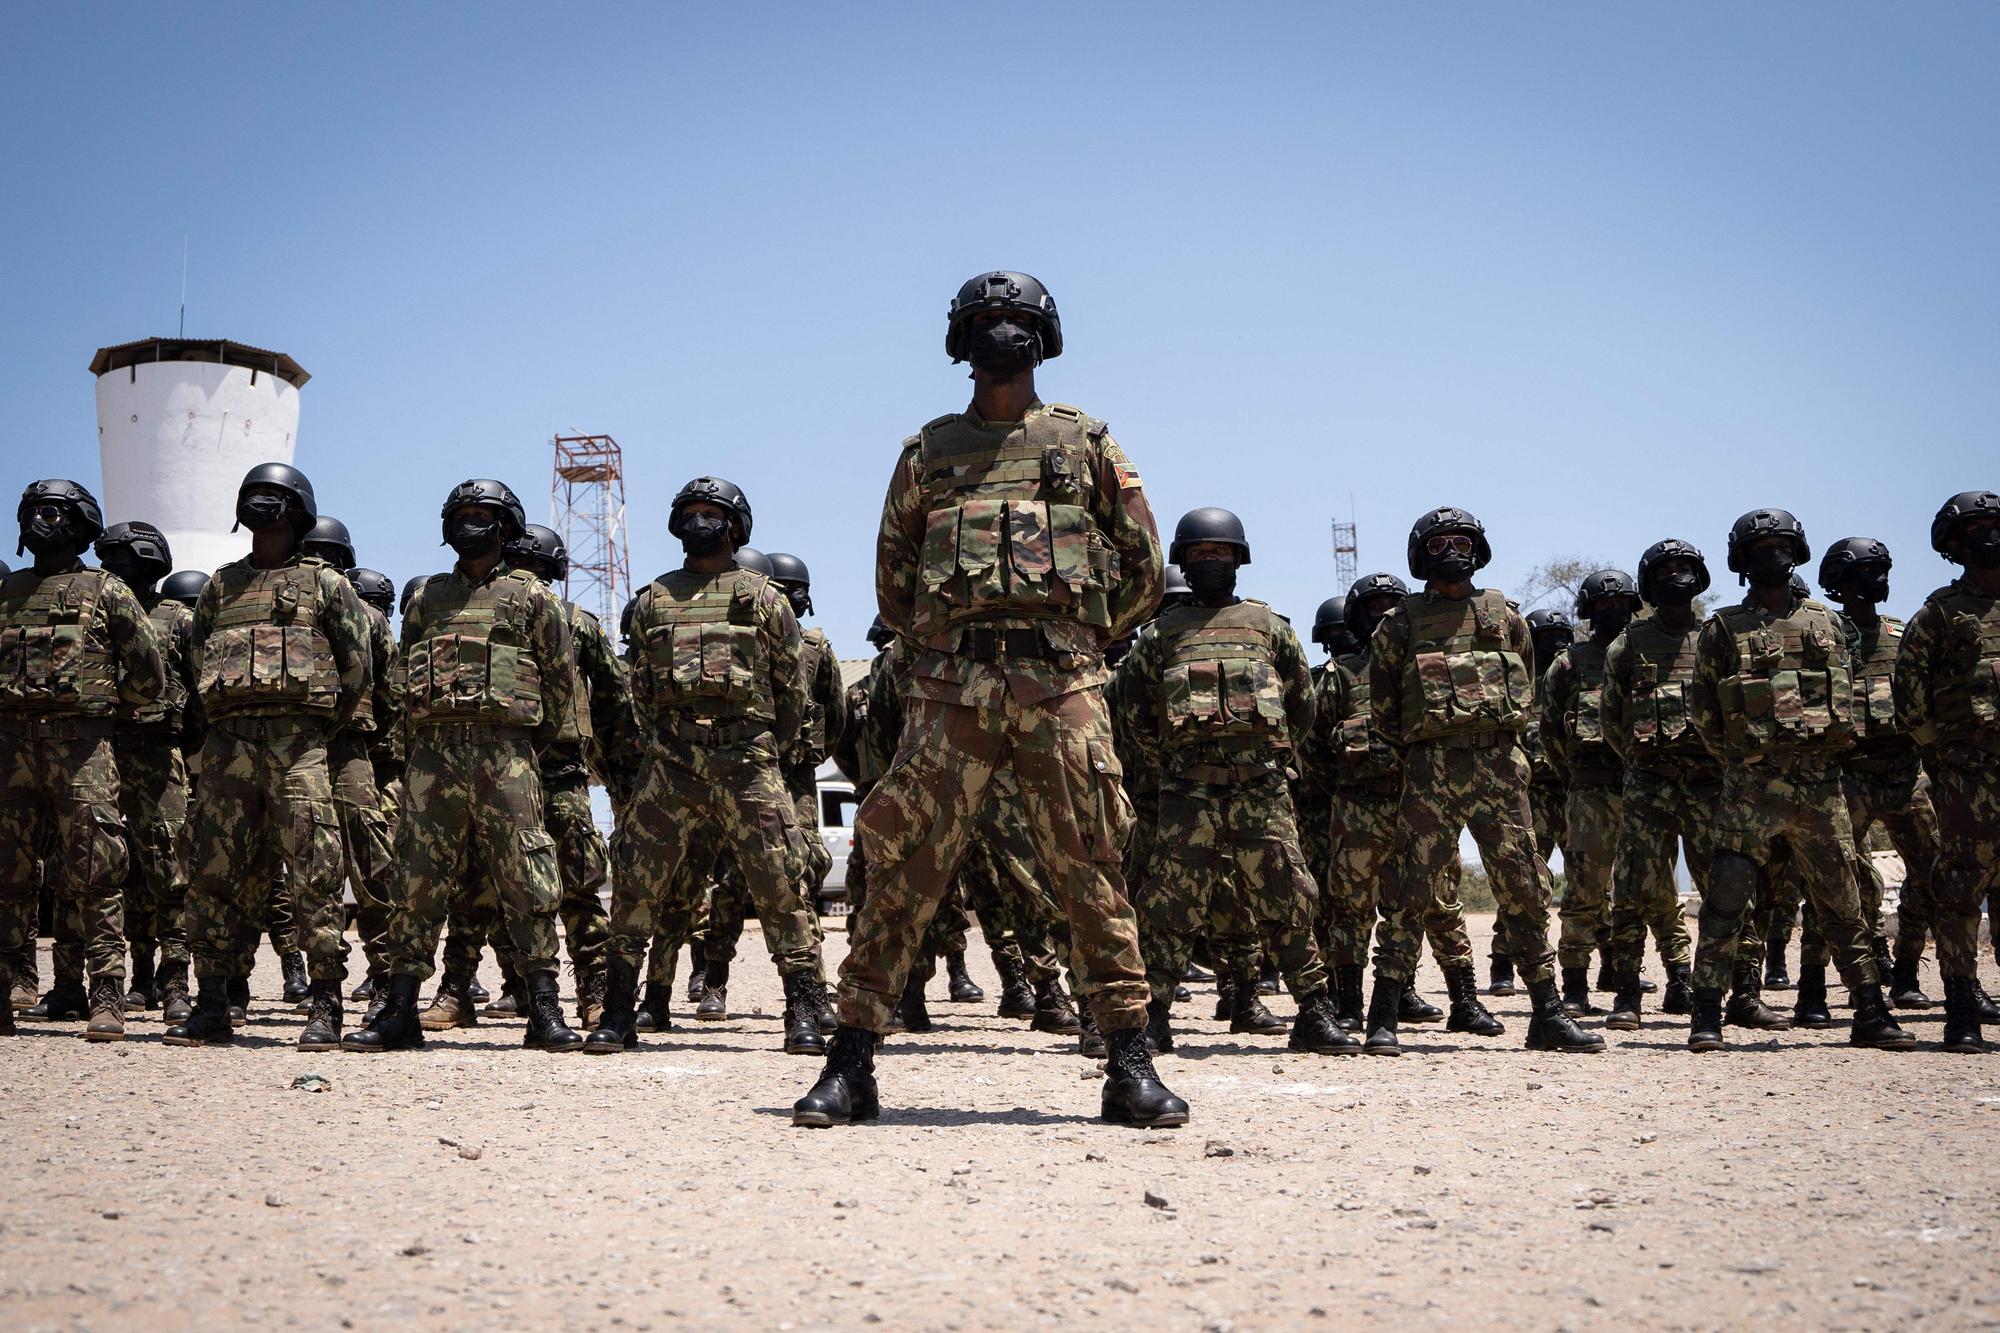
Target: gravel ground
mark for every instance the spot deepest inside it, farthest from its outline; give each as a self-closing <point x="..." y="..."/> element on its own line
<point x="1791" y="1182"/>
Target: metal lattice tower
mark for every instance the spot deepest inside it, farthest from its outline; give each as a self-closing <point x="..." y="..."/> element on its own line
<point x="1345" y="554"/>
<point x="587" y="506"/>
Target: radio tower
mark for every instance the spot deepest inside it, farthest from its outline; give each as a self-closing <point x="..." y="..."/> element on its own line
<point x="1345" y="552"/>
<point x="587" y="506"/>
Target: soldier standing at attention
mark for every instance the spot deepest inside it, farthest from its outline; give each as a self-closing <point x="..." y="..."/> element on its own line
<point x="76" y="648"/>
<point x="283" y="645"/>
<point x="1451" y="685"/>
<point x="489" y="687"/>
<point x="1947" y="691"/>
<point x="1312" y="789"/>
<point x="1015" y="543"/>
<point x="1551" y="631"/>
<point x="377" y="892"/>
<point x="1772" y="699"/>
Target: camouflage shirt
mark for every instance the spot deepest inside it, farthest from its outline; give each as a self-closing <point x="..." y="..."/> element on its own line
<point x="543" y="633"/>
<point x="1947" y="678"/>
<point x="888" y="677"/>
<point x="826" y="702"/>
<point x="340" y="619"/>
<point x="173" y="628"/>
<point x="1793" y="697"/>
<point x="675" y="671"/>
<point x="1391" y="671"/>
<point x="119" y="642"/>
<point x="1145" y="685"/>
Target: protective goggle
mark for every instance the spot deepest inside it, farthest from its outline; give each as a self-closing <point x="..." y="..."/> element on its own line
<point x="1450" y="541"/>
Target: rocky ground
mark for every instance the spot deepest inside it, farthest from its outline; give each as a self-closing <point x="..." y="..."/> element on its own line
<point x="1789" y="1183"/>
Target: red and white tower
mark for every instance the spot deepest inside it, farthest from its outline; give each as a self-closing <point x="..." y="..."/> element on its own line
<point x="587" y="506"/>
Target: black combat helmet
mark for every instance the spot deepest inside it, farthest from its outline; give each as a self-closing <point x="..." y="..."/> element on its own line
<point x="1176" y="590"/>
<point x="1964" y="505"/>
<point x="791" y="574"/>
<point x="484" y="491"/>
<point x="1671" y="548"/>
<point x="1604" y="583"/>
<point x="373" y="587"/>
<point x="1439" y="522"/>
<point x="285" y="477"/>
<point x="1548" y="625"/>
<point x="58" y="490"/>
<point x="725" y="495"/>
<point x="1209" y="524"/>
<point x="138" y="541"/>
<point x="753" y="560"/>
<point x="183" y="586"/>
<point x="541" y="551"/>
<point x="1329" y="622"/>
<point x="410" y="587"/>
<point x="879" y="634"/>
<point x="1848" y="554"/>
<point x="1014" y="292"/>
<point x="1374" y="585"/>
<point x="1766" y="523"/>
<point x="327" y="539"/>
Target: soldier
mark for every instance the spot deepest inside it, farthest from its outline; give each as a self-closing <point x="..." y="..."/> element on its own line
<point x="1772" y="699"/>
<point x="150" y="747"/>
<point x="1312" y="790"/>
<point x="282" y="643"/>
<point x="489" y="687"/>
<point x="1451" y="687"/>
<point x="1015" y="544"/>
<point x="1573" y="736"/>
<point x="718" y="699"/>
<point x="1220" y="693"/>
<point x="76" y="647"/>
<point x="375" y="900"/>
<point x="1550" y="630"/>
<point x="1947" y="694"/>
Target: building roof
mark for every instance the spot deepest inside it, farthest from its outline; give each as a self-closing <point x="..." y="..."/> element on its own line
<point x="199" y="349"/>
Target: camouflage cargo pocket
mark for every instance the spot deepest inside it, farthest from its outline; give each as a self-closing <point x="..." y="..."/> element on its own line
<point x="541" y="879"/>
<point x="106" y="858"/>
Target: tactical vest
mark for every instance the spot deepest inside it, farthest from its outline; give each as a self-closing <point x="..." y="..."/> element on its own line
<point x="1362" y="757"/>
<point x="473" y="660"/>
<point x="1464" y="675"/>
<point x="582" y="623"/>
<point x="813" y="650"/>
<point x="54" y="660"/>
<point x="1661" y="670"/>
<point x="265" y="650"/>
<point x="1583" y="718"/>
<point x="701" y="645"/>
<point x="1790" y="691"/>
<point x="1008" y="529"/>
<point x="1218" y="684"/>
<point x="1874" y="685"/>
<point x="170" y="621"/>
<point x="1965" y="691"/>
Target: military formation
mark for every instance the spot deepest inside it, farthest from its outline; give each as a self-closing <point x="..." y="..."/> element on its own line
<point x="1128" y="771"/>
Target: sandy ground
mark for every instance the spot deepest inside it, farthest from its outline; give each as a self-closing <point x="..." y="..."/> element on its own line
<point x="1790" y="1183"/>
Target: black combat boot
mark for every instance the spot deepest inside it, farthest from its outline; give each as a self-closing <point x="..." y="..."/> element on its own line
<point x="1502" y="976"/>
<point x="1017" y="997"/>
<point x="1872" y="1024"/>
<point x="546" y="1029"/>
<point x="1383" y="1001"/>
<point x="653" y="1013"/>
<point x="1905" y="992"/>
<point x="139" y="984"/>
<point x="617" y="1028"/>
<point x="828" y="1015"/>
<point x="845" y="1093"/>
<point x="1989" y="1012"/>
<point x="238" y="992"/>
<point x="1809" y="1009"/>
<point x="365" y="991"/>
<point x="1884" y="964"/>
<point x="207" y="1023"/>
<point x="1414" y="1008"/>
<point x="1089" y="1041"/>
<point x="590" y="996"/>
<point x="7" y="1028"/>
<point x="107" y="1010"/>
<point x="697" y="972"/>
<point x="1317" y="1029"/>
<point x="1961" y="1016"/>
<point x="1053" y="1011"/>
<point x="1679" y="998"/>
<point x="1159" y="1027"/>
<point x="1225" y="996"/>
<point x="1776" y="976"/>
<point x="1133" y="1093"/>
<point x="1347" y="996"/>
<point x="174" y="1003"/>
<point x="378" y="999"/>
<point x="1576" y="992"/>
<point x="512" y="1001"/>
<point x="913" y="1015"/>
<point x="1247" y="1012"/>
<point x="477" y="993"/>
<point x="1747" y="1008"/>
<point x="1267" y="978"/>
<point x="1705" y="1027"/>
<point x="451" y="1006"/>
<point x="64" y="1002"/>
<point x="298" y="985"/>
<point x="805" y="996"/>
<point x="396" y="1027"/>
<point x="963" y="989"/>
<point x="1551" y="1028"/>
<point x="1626" y="1004"/>
<point x="322" y="1029"/>
<point x="1605" y="981"/>
<point x="714" y="1006"/>
<point x="1467" y="1013"/>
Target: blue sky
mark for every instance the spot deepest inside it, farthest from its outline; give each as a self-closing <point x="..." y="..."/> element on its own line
<point x="1599" y="273"/>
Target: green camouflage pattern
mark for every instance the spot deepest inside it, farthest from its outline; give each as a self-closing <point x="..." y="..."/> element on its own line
<point x="287" y="641"/>
<point x="62" y="795"/>
<point x="153" y="798"/>
<point x="1572" y="730"/>
<point x="1659" y="809"/>
<point x="1364" y="843"/>
<point x="1589" y="861"/>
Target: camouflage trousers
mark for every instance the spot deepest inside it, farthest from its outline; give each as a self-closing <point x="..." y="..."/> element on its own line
<point x="731" y="904"/>
<point x="473" y="816"/>
<point x="264" y="806"/>
<point x="1965" y="787"/>
<point x="702" y="873"/>
<point x="1363" y="833"/>
<point x="1588" y="860"/>
<point x="1548" y="799"/>
<point x="153" y="797"/>
<point x="1658" y="809"/>
<point x="1483" y="788"/>
<point x="1003" y="884"/>
<point x="1228" y="860"/>
<point x="1901" y="801"/>
<point x="59" y="800"/>
<point x="1775" y="818"/>
<point x="693" y="793"/>
<point x="922" y="814"/>
<point x="367" y="844"/>
<point x="1315" y="821"/>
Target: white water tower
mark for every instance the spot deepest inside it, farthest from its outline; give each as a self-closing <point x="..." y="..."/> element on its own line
<point x="179" y="421"/>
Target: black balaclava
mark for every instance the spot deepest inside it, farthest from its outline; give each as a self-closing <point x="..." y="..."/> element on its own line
<point x="1868" y="584"/>
<point x="704" y="534"/>
<point x="800" y="598"/>
<point x="1982" y="547"/>
<point x="134" y="573"/>
<point x="261" y="510"/>
<point x="473" y="533"/>
<point x="1003" y="349"/>
<point x="1675" y="589"/>
<point x="1451" y="566"/>
<point x="1770" y="566"/>
<point x="1609" y="618"/>
<point x="1213" y="581"/>
<point x="54" y="542"/>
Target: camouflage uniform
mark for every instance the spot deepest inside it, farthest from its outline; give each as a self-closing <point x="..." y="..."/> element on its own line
<point x="367" y="831"/>
<point x="1009" y="553"/>
<point x="284" y="664"/>
<point x="1451" y="687"/>
<point x="75" y="648"/>
<point x="151" y="747"/>
<point x="1312" y="807"/>
<point x="490" y="685"/>
<point x="604" y="710"/>
<point x="1573" y="735"/>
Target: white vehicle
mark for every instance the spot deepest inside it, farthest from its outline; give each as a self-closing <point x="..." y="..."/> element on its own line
<point x="836" y="829"/>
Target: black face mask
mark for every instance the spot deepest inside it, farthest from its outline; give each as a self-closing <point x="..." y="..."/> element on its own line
<point x="1675" y="589"/>
<point x="1608" y="622"/>
<point x="473" y="536"/>
<point x="801" y="600"/>
<point x="704" y="534"/>
<point x="51" y="538"/>
<point x="1213" y="581"/>
<point x="1450" y="567"/>
<point x="134" y="574"/>
<point x="1866" y="586"/>
<point x="1770" y="566"/>
<point x="1003" y="349"/>
<point x="261" y="512"/>
<point x="1549" y="646"/>
<point x="1982" y="548"/>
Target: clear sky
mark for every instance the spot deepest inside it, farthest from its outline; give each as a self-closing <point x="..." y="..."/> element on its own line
<point x="1599" y="273"/>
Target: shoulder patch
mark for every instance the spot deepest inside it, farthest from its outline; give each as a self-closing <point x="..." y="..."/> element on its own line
<point x="1128" y="476"/>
